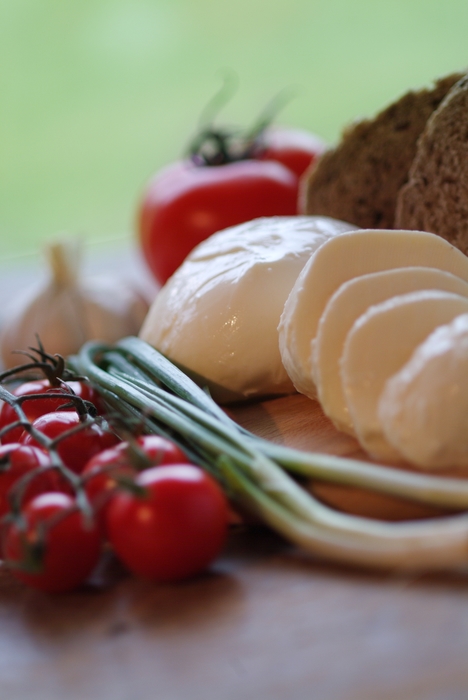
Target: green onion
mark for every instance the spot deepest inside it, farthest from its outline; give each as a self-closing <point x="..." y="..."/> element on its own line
<point x="145" y="388"/>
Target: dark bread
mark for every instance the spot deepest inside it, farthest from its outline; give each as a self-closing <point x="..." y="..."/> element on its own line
<point x="358" y="181"/>
<point x="435" y="198"/>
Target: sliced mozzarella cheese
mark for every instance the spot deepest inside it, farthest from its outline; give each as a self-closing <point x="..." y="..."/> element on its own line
<point x="339" y="260"/>
<point x="380" y="342"/>
<point x="423" y="408"/>
<point x="217" y="316"/>
<point x="349" y="302"/>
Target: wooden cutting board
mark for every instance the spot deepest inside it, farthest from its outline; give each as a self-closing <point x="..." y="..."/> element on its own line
<point x="298" y="422"/>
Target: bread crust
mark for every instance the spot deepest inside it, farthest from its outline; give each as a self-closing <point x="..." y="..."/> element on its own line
<point x="435" y="198"/>
<point x="359" y="180"/>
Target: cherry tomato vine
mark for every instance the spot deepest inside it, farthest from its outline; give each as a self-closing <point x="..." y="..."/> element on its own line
<point x="64" y="466"/>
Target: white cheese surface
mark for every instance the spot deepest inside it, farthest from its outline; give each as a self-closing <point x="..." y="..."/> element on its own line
<point x="217" y="316"/>
<point x="349" y="302"/>
<point x="424" y="407"/>
<point x="380" y="342"/>
<point x="339" y="260"/>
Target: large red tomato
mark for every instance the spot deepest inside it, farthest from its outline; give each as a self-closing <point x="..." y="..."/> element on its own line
<point x="297" y="149"/>
<point x="191" y="199"/>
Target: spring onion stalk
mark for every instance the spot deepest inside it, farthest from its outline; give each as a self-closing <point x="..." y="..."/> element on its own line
<point x="428" y="490"/>
<point x="136" y="380"/>
<point x="265" y="472"/>
<point x="436" y="491"/>
<point x="443" y="548"/>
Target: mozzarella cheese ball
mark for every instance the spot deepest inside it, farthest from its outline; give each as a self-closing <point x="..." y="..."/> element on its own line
<point x="217" y="316"/>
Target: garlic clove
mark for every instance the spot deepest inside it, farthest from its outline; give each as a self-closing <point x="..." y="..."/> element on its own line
<point x="69" y="309"/>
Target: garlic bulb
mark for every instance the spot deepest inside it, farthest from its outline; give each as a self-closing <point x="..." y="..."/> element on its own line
<point x="69" y="310"/>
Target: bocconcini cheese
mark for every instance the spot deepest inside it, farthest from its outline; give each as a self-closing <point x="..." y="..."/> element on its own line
<point x="346" y="305"/>
<point x="217" y="316"/>
<point x="423" y="408"/>
<point x="339" y="260"/>
<point x="378" y="345"/>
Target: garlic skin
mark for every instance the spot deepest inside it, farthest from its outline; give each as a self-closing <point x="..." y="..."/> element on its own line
<point x="68" y="310"/>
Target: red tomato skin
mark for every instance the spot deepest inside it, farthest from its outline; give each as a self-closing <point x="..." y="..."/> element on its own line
<point x="157" y="449"/>
<point x="38" y="407"/>
<point x="176" y="530"/>
<point x="72" y="548"/>
<point x="99" y="478"/>
<point x="23" y="459"/>
<point x="77" y="449"/>
<point x="297" y="149"/>
<point x="161" y="451"/>
<point x="185" y="203"/>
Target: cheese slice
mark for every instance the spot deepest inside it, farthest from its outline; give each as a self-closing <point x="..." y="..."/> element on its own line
<point x="380" y="342"/>
<point x="423" y="408"/>
<point x="217" y="316"/>
<point x="349" y="302"/>
<point x="340" y="259"/>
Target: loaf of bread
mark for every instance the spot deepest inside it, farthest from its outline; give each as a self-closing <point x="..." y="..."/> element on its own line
<point x="435" y="198"/>
<point x="358" y="181"/>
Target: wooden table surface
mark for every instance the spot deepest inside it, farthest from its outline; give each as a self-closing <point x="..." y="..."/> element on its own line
<point x="266" y="622"/>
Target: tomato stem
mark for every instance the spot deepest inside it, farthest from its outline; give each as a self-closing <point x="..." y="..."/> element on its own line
<point x="221" y="98"/>
<point x="268" y="115"/>
<point x="53" y="367"/>
<point x="214" y="146"/>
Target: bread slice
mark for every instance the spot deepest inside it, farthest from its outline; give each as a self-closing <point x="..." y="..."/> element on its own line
<point x="435" y="198"/>
<point x="358" y="181"/>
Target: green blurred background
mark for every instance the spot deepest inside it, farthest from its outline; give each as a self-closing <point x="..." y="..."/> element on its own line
<point x="97" y="94"/>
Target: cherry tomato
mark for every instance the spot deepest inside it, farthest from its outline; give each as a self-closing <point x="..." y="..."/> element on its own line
<point x="175" y="530"/>
<point x="72" y="546"/>
<point x="102" y="472"/>
<point x="101" y="477"/>
<point x="101" y="483"/>
<point x="297" y="149"/>
<point x="159" y="450"/>
<point x="77" y="449"/>
<point x="185" y="203"/>
<point x="37" y="407"/>
<point x="17" y="460"/>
